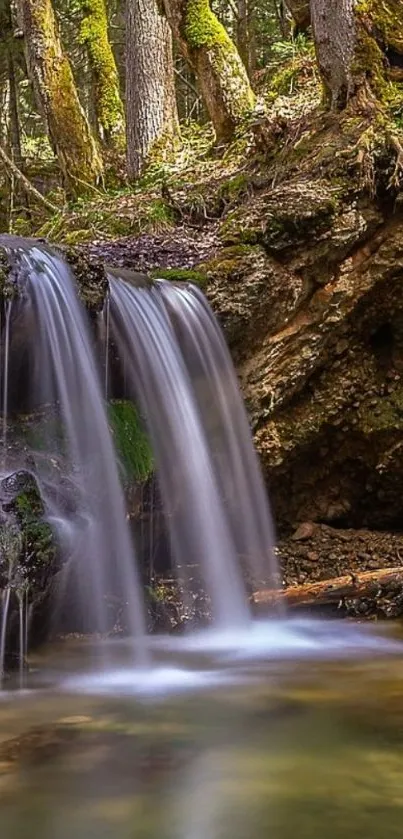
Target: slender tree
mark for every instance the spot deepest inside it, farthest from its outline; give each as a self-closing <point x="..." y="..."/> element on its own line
<point x="52" y="78"/>
<point x="214" y="59"/>
<point x="151" y="111"/>
<point x="245" y="34"/>
<point x="108" y="103"/>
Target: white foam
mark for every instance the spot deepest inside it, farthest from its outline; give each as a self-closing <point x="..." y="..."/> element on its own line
<point x="282" y="639"/>
<point x="153" y="682"/>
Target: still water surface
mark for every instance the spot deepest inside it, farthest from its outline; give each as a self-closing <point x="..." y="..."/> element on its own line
<point x="283" y="748"/>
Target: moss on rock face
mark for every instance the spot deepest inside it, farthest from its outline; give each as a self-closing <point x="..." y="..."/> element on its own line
<point x="181" y="275"/>
<point x="38" y="549"/>
<point x="131" y="441"/>
<point x="8" y="288"/>
<point x="90" y="277"/>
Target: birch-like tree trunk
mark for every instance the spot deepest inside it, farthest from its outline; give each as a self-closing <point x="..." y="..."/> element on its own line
<point x="151" y="111"/>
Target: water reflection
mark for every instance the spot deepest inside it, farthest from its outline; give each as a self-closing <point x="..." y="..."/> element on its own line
<point x="306" y="750"/>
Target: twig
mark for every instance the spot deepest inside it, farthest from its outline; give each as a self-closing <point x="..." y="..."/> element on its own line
<point x="29" y="188"/>
<point x="396" y="178"/>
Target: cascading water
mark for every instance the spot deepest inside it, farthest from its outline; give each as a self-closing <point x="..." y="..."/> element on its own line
<point x="68" y="375"/>
<point x="5" y="376"/>
<point x="200" y="531"/>
<point x="173" y="354"/>
<point x="223" y="415"/>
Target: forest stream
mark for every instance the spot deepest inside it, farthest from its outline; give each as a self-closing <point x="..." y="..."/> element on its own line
<point x="201" y="419"/>
<point x="298" y="748"/>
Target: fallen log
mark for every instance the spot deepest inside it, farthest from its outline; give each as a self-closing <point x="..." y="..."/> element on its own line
<point x="371" y="584"/>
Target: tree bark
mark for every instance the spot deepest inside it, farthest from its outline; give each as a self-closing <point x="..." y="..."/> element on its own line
<point x="108" y="103"/>
<point x="334" y="33"/>
<point x="51" y="75"/>
<point x="301" y="13"/>
<point x="359" y="45"/>
<point x="348" y="587"/>
<point x="214" y="59"/>
<point x="242" y="38"/>
<point x="151" y="111"/>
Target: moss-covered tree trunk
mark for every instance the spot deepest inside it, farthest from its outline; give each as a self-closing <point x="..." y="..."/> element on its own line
<point x="52" y="78"/>
<point x="359" y="45"/>
<point x="152" y="117"/>
<point x="213" y="57"/>
<point x="108" y="103"/>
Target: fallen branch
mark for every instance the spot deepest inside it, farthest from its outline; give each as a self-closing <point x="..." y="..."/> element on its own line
<point x="29" y="188"/>
<point x="349" y="587"/>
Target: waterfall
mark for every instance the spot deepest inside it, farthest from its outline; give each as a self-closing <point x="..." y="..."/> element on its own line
<point x="207" y="469"/>
<point x="179" y="372"/>
<point x="62" y="352"/>
<point x="5" y="377"/>
<point x="221" y="407"/>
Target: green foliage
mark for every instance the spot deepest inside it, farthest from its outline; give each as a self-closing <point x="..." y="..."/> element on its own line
<point x="131" y="440"/>
<point x="285" y="50"/>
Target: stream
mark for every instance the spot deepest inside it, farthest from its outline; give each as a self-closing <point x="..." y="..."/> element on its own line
<point x="210" y="744"/>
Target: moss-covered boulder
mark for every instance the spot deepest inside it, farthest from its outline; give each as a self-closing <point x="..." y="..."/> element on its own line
<point x="22" y="503"/>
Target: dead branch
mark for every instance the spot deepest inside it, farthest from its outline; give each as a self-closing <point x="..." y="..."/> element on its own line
<point x="29" y="188"/>
<point x="350" y="587"/>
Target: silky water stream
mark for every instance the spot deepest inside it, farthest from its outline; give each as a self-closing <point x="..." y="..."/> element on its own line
<point x="246" y="728"/>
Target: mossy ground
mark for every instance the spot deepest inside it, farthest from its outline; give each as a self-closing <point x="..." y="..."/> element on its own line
<point x="293" y="136"/>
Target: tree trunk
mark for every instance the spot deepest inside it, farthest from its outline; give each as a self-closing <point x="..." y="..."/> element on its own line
<point x="334" y="33"/>
<point x="4" y="109"/>
<point x="359" y="45"/>
<point x="108" y="102"/>
<point x="51" y="75"/>
<point x="242" y="35"/>
<point x="151" y="111"/>
<point x="215" y="61"/>
<point x="370" y="584"/>
<point x="301" y="13"/>
<point x="15" y="134"/>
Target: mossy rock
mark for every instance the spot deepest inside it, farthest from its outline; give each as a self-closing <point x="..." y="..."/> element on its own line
<point x="181" y="275"/>
<point x="282" y="218"/>
<point x="90" y="277"/>
<point x="23" y="500"/>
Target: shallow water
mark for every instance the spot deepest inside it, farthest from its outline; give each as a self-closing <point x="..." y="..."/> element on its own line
<point x="213" y="743"/>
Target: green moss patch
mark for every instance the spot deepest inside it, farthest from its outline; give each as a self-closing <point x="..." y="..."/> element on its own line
<point x="131" y="441"/>
<point x="181" y="275"/>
